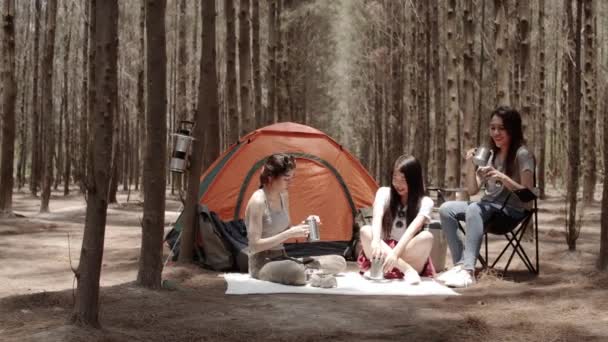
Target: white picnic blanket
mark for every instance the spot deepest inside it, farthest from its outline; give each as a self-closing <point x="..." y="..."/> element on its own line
<point x="349" y="283"/>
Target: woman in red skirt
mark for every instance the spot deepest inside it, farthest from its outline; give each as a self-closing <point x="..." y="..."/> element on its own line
<point x="396" y="234"/>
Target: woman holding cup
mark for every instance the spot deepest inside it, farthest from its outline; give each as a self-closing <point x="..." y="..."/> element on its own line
<point x="395" y="240"/>
<point x="505" y="166"/>
<point x="268" y="226"/>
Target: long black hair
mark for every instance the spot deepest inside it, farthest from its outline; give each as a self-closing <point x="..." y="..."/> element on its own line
<point x="511" y="120"/>
<point x="276" y="165"/>
<point x="411" y="169"/>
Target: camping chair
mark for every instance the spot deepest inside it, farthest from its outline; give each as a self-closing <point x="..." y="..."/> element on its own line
<point x="512" y="230"/>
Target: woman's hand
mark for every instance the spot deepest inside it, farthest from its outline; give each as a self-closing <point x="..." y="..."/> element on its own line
<point x="301" y="230"/>
<point x="377" y="252"/>
<point x="490" y="172"/>
<point x="390" y="262"/>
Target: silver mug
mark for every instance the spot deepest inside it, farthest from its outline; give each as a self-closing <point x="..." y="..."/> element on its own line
<point x="483" y="156"/>
<point x="313" y="234"/>
<point x="375" y="271"/>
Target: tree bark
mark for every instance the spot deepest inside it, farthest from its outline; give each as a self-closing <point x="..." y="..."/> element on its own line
<point x="501" y="40"/>
<point x="206" y="147"/>
<point x="574" y="110"/>
<point x="66" y="143"/>
<point x="590" y="75"/>
<point x="247" y="115"/>
<point x="150" y="262"/>
<point x="440" y="126"/>
<point x="453" y="148"/>
<point x="271" y="77"/>
<point x="542" y="93"/>
<point x="523" y="28"/>
<point x="9" y="94"/>
<point x="141" y="107"/>
<point x="469" y="113"/>
<point x="231" y="81"/>
<point x="47" y="100"/>
<point x="35" y="132"/>
<point x="257" y="77"/>
<point x="86" y="308"/>
<point x="603" y="257"/>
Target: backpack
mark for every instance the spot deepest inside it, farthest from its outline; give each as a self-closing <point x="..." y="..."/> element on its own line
<point x="217" y="254"/>
<point x="362" y="217"/>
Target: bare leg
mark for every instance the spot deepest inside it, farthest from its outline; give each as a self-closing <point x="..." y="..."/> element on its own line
<point x="417" y="251"/>
<point x="366" y="242"/>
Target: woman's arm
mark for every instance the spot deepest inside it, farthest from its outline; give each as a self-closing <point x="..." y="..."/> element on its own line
<point x="255" y="211"/>
<point x="380" y="203"/>
<point x="525" y="162"/>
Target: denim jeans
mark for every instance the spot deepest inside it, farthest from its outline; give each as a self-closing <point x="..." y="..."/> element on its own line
<point x="474" y="214"/>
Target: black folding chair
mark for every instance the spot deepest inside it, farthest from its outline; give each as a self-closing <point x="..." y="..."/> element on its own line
<point x="512" y="230"/>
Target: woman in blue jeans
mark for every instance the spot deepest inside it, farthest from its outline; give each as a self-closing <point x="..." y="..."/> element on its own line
<point x="511" y="168"/>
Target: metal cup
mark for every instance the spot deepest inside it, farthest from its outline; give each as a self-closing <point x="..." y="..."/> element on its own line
<point x="313" y="235"/>
<point x="375" y="271"/>
<point x="482" y="156"/>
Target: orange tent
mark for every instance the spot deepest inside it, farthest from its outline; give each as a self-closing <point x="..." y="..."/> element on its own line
<point x="328" y="181"/>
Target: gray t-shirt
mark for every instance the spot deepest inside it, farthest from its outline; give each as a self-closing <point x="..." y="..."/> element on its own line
<point x="496" y="192"/>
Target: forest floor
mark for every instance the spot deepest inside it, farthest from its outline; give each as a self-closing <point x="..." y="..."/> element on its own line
<point x="568" y="301"/>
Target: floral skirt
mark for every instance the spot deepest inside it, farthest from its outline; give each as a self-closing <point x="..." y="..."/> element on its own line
<point x="365" y="263"/>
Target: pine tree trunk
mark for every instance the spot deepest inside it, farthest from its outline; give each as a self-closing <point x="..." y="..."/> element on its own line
<point x="150" y="261"/>
<point x="574" y="110"/>
<point x="257" y="77"/>
<point x="9" y="94"/>
<point x="141" y="107"/>
<point x="66" y="119"/>
<point x="440" y="126"/>
<point x="24" y="86"/>
<point x="195" y="57"/>
<point x="501" y="40"/>
<point x="247" y="114"/>
<point x="271" y="76"/>
<point x="453" y="155"/>
<point x="542" y="93"/>
<point x="396" y="134"/>
<point x="206" y="147"/>
<point x="84" y="113"/>
<point x="182" y="64"/>
<point x="590" y="75"/>
<point x="523" y="28"/>
<point x="47" y="101"/>
<point x="92" y="81"/>
<point x="469" y="131"/>
<point x="35" y="163"/>
<point x="603" y="257"/>
<point x="231" y="81"/>
<point x="86" y="308"/>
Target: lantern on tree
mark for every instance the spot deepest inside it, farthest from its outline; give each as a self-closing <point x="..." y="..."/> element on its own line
<point x="182" y="140"/>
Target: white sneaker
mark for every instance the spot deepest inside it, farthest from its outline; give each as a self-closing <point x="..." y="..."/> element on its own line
<point x="462" y="278"/>
<point x="447" y="274"/>
<point x="411" y="277"/>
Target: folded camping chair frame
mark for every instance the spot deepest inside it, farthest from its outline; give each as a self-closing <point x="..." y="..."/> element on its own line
<point x="513" y="235"/>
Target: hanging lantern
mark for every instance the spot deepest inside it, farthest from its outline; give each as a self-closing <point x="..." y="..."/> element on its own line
<point x="181" y="146"/>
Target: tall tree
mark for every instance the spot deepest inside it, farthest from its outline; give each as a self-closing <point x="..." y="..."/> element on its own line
<point x="438" y="95"/>
<point x="574" y="110"/>
<point x="257" y="77"/>
<point x="84" y="119"/>
<point x="603" y="257"/>
<point x="47" y="101"/>
<point x="141" y="106"/>
<point x="453" y="150"/>
<point x="542" y="93"/>
<point x="66" y="166"/>
<point x="231" y="81"/>
<point x="501" y="41"/>
<point x="247" y="115"/>
<point x="206" y="146"/>
<point x="86" y="307"/>
<point x="35" y="163"/>
<point x="150" y="261"/>
<point x="271" y="76"/>
<point x="523" y="29"/>
<point x="590" y="76"/>
<point x="469" y="114"/>
<point x="9" y="94"/>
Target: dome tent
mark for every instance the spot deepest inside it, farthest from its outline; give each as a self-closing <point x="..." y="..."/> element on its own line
<point x="329" y="182"/>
